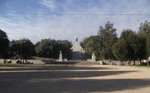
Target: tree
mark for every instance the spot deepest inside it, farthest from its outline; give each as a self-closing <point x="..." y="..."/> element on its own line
<point x="22" y="48"/>
<point x="108" y="37"/>
<point x="144" y="29"/>
<point x="90" y="45"/>
<point x="144" y="33"/>
<point x="64" y="46"/>
<point x="141" y="45"/>
<point x="4" y="47"/>
<point x="148" y="45"/>
<point x="50" y="48"/>
<point x="45" y="47"/>
<point x="131" y="41"/>
<point x="120" y="50"/>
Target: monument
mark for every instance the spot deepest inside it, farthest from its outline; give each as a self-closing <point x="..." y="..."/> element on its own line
<point x="60" y="57"/>
<point x="93" y="57"/>
<point x="77" y="51"/>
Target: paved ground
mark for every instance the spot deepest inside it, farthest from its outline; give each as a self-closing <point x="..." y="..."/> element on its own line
<point x="73" y="79"/>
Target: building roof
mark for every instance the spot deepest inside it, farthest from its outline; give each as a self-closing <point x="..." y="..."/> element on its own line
<point x="77" y="47"/>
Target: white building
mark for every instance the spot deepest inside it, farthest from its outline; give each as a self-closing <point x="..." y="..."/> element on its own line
<point x="77" y="51"/>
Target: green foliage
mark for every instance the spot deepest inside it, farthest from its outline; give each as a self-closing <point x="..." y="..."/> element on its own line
<point x="50" y="48"/>
<point x="4" y="44"/>
<point x="129" y="46"/>
<point x="141" y="45"/>
<point x="90" y="45"/>
<point x="64" y="46"/>
<point x="131" y="41"/>
<point x="144" y="29"/>
<point x="22" y="48"/>
<point x="45" y="47"/>
<point x="120" y="50"/>
<point x="144" y="32"/>
<point x="148" y="45"/>
<point x="107" y="37"/>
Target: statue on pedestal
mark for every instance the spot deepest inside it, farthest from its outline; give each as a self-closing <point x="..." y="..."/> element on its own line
<point x="60" y="57"/>
<point x="93" y="57"/>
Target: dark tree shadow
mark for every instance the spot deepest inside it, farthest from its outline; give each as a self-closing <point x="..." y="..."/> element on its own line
<point x="88" y="86"/>
<point x="58" y="74"/>
<point x="72" y="86"/>
<point x="52" y="67"/>
<point x="57" y="81"/>
<point x="57" y="62"/>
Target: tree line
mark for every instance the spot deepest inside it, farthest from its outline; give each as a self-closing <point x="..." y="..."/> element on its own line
<point x="130" y="46"/>
<point x="25" y="49"/>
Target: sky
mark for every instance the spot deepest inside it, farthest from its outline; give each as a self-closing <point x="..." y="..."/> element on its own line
<point x="69" y="19"/>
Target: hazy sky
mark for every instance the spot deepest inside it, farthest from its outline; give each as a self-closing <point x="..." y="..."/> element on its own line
<point x="68" y="19"/>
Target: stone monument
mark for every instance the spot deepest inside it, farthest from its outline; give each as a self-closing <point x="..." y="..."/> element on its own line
<point x="77" y="51"/>
<point x="60" y="57"/>
<point x="93" y="57"/>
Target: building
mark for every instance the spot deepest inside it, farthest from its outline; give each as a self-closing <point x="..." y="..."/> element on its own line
<point x="77" y="51"/>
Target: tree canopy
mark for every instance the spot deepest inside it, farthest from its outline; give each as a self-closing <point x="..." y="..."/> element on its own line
<point x="131" y="45"/>
<point x="144" y="28"/>
<point x="50" y="48"/>
<point x="22" y="48"/>
<point x="90" y="45"/>
<point x="148" y="45"/>
<point x="4" y="44"/>
<point x="119" y="50"/>
<point x="107" y="37"/>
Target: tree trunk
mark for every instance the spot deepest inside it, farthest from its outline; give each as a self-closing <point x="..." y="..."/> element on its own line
<point x="121" y="63"/>
<point x="139" y="61"/>
<point x="147" y="63"/>
<point x="134" y="62"/>
<point x="5" y="61"/>
<point x="129" y="62"/>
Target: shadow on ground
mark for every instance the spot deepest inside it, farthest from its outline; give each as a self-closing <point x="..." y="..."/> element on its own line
<point x="57" y="62"/>
<point x="50" y="67"/>
<point x="43" y="82"/>
<point x="85" y="86"/>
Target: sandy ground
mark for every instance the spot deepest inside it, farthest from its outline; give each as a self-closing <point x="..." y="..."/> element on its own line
<point x="61" y="78"/>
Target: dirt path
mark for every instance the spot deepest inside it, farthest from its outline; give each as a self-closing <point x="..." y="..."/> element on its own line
<point x="73" y="79"/>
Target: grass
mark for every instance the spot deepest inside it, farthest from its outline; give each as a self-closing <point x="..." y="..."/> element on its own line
<point x="143" y="66"/>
